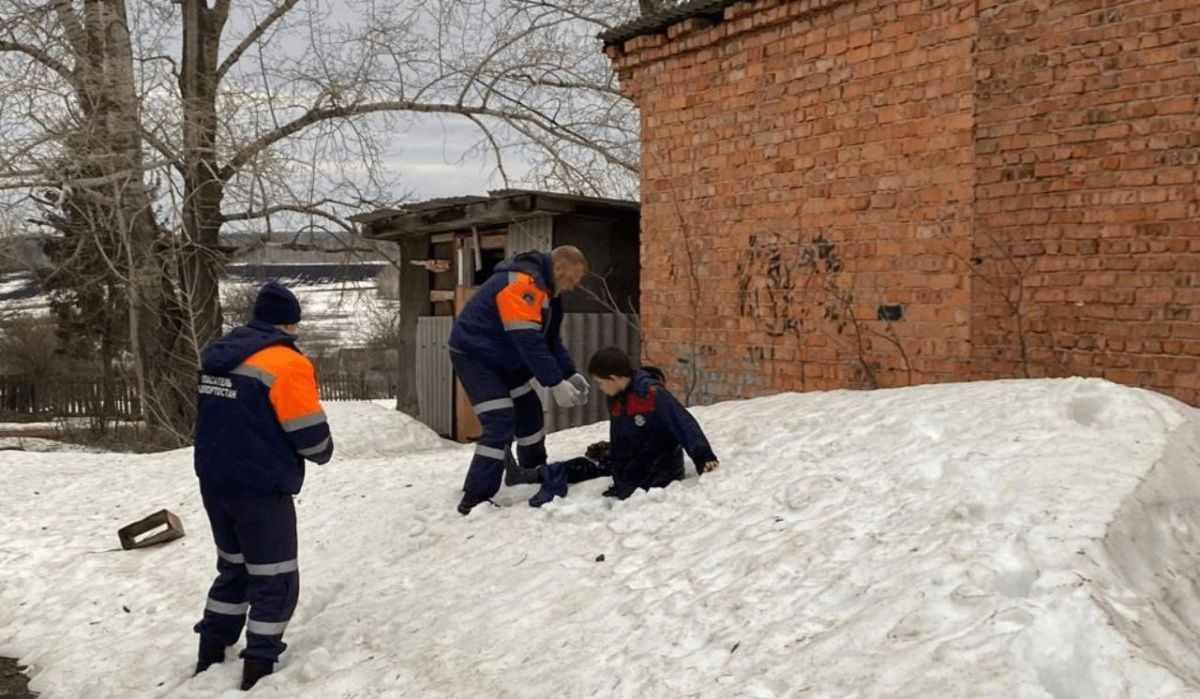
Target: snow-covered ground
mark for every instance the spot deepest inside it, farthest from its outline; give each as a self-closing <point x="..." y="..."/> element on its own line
<point x="1002" y="539"/>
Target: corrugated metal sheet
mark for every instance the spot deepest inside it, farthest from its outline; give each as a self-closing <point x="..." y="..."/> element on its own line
<point x="531" y="234"/>
<point x="583" y="334"/>
<point x="435" y="377"/>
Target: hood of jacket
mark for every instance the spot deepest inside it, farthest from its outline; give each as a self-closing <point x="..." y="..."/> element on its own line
<point x="536" y="264"/>
<point x="226" y="352"/>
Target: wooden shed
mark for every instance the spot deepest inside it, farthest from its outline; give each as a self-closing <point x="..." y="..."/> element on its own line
<point x="448" y="247"/>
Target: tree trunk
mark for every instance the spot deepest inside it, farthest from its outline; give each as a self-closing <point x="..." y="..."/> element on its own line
<point x="203" y="189"/>
<point x="165" y="372"/>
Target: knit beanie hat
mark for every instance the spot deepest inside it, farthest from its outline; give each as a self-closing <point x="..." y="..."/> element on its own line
<point x="276" y="305"/>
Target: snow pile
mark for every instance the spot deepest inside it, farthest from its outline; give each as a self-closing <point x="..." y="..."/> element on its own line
<point x="369" y="429"/>
<point x="1001" y="539"/>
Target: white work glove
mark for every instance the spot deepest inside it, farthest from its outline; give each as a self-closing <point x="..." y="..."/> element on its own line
<point x="581" y="383"/>
<point x="565" y="394"/>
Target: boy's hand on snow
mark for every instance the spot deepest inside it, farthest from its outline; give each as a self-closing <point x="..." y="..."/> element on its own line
<point x="565" y="394"/>
<point x="711" y="466"/>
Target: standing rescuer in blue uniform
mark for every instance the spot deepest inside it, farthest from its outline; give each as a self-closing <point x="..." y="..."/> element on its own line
<point x="507" y="334"/>
<point x="259" y="417"/>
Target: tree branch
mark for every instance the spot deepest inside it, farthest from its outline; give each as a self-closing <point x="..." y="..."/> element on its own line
<point x="495" y="148"/>
<point x="44" y="59"/>
<point x="44" y="178"/>
<point x="527" y="79"/>
<point x="263" y="241"/>
<point x="530" y="4"/>
<point x="315" y="115"/>
<point x="313" y="209"/>
<point x="162" y="147"/>
<point x="252" y="38"/>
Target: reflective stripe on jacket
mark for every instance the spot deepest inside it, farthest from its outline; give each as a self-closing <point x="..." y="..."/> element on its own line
<point x="259" y="415"/>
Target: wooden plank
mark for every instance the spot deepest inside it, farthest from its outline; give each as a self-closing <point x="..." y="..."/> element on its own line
<point x="494" y="242"/>
<point x="433" y="265"/>
<point x="441" y="295"/>
<point x="466" y="422"/>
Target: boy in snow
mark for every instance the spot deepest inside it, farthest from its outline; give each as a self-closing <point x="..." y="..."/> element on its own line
<point x="596" y="461"/>
<point x="648" y="432"/>
<point x="259" y="417"/>
<point x="507" y="334"/>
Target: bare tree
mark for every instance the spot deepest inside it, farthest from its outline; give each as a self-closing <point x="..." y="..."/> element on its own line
<point x="141" y="133"/>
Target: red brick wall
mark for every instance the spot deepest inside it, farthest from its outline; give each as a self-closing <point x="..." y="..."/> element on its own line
<point x="1087" y="204"/>
<point x="805" y="162"/>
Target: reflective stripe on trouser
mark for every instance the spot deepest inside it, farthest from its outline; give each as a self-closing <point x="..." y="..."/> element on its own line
<point x="257" y="572"/>
<point x="530" y="430"/>
<point x="505" y="410"/>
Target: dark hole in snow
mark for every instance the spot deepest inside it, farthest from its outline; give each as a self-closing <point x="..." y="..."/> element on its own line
<point x="600" y="558"/>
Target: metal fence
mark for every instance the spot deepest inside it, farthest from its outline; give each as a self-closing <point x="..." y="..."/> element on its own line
<point x="58" y="398"/>
<point x="435" y="376"/>
<point x="583" y="334"/>
<point x="53" y="398"/>
<point x="355" y="388"/>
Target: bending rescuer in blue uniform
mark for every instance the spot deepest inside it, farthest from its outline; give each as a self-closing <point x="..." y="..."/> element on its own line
<point x="507" y="334"/>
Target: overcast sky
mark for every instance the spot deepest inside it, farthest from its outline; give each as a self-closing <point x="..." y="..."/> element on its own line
<point x="428" y="154"/>
<point x="430" y="158"/>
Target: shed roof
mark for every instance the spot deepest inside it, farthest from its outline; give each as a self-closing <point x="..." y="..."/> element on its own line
<point x="499" y="207"/>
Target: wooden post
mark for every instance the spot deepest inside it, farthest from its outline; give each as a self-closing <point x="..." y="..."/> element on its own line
<point x="466" y="427"/>
<point x="414" y="303"/>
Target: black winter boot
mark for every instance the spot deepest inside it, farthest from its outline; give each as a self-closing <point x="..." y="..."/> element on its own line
<point x="554" y="484"/>
<point x="253" y="670"/>
<point x="468" y="502"/>
<point x="211" y="652"/>
<point x="514" y="474"/>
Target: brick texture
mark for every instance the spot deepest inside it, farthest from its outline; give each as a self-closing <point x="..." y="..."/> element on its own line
<point x="1087" y="201"/>
<point x="1015" y="179"/>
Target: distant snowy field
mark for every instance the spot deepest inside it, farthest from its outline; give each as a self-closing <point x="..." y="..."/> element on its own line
<point x="1030" y="539"/>
<point x="338" y="312"/>
<point x="19" y="293"/>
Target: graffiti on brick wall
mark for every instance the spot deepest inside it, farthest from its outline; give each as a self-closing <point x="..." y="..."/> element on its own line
<point x="781" y="282"/>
